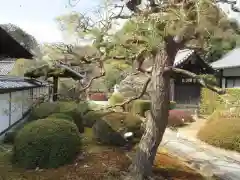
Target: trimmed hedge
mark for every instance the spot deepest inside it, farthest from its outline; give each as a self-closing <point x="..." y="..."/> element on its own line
<point x="221" y="132"/>
<point x="68" y="108"/>
<point x="141" y="106"/>
<point x="110" y="128"/>
<point x="116" y="98"/>
<point x="46" y="143"/>
<point x="61" y="116"/>
<point x="10" y="137"/>
<point x="91" y="117"/>
<point x="211" y="101"/>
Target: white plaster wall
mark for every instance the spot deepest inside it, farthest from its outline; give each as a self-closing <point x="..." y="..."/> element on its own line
<point x="27" y="100"/>
<point x="231" y="72"/>
<point x="4" y="111"/>
<point x="16" y="106"/>
<point x="35" y="93"/>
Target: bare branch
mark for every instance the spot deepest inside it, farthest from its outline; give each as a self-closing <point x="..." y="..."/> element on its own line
<point x="71" y="70"/>
<point x="144" y="89"/>
<point x="199" y="79"/>
<point x="102" y="73"/>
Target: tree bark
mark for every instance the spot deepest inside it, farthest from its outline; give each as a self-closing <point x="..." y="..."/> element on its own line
<point x="141" y="167"/>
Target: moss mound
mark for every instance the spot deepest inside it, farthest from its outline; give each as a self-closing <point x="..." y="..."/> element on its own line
<point x="46" y="143"/>
<point x="112" y="127"/>
<point x="221" y="132"/>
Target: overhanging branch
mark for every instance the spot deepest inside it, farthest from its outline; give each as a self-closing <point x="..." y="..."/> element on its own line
<point x="144" y="89"/>
<point x="199" y="79"/>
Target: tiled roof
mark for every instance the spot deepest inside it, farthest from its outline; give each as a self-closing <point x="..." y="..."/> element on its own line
<point x="6" y="66"/>
<point x="12" y="82"/>
<point x="181" y="56"/>
<point x="229" y="60"/>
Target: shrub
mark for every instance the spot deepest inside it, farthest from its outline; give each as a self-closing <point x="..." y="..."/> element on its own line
<point x="60" y="116"/>
<point x="172" y="105"/>
<point x="222" y="132"/>
<point x="43" y="110"/>
<point x="68" y="108"/>
<point x="140" y="106"/>
<point x="91" y="117"/>
<point x="46" y="143"/>
<point x="111" y="128"/>
<point x="9" y="137"/>
<point x="211" y="101"/>
<point x="179" y="117"/>
<point x="116" y="98"/>
<point x="98" y="97"/>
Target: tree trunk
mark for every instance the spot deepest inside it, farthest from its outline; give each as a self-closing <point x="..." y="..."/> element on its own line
<point x="141" y="167"/>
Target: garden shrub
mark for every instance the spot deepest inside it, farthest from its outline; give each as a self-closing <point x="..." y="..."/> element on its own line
<point x="60" y="116"/>
<point x="43" y="110"/>
<point x="111" y="128"/>
<point x="172" y="105"/>
<point x="141" y="106"/>
<point x="46" y="143"/>
<point x="116" y="98"/>
<point x="179" y="117"/>
<point x="211" y="101"/>
<point x="9" y="137"/>
<point x="222" y="132"/>
<point x="69" y="108"/>
<point x="91" y="117"/>
<point x="98" y="97"/>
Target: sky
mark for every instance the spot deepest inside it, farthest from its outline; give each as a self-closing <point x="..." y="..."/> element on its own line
<point x="36" y="17"/>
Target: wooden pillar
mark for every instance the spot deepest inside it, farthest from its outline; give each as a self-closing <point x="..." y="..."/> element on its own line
<point x="55" y="88"/>
<point x="10" y="109"/>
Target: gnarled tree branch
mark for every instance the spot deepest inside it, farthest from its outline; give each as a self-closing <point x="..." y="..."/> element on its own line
<point x="199" y="79"/>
